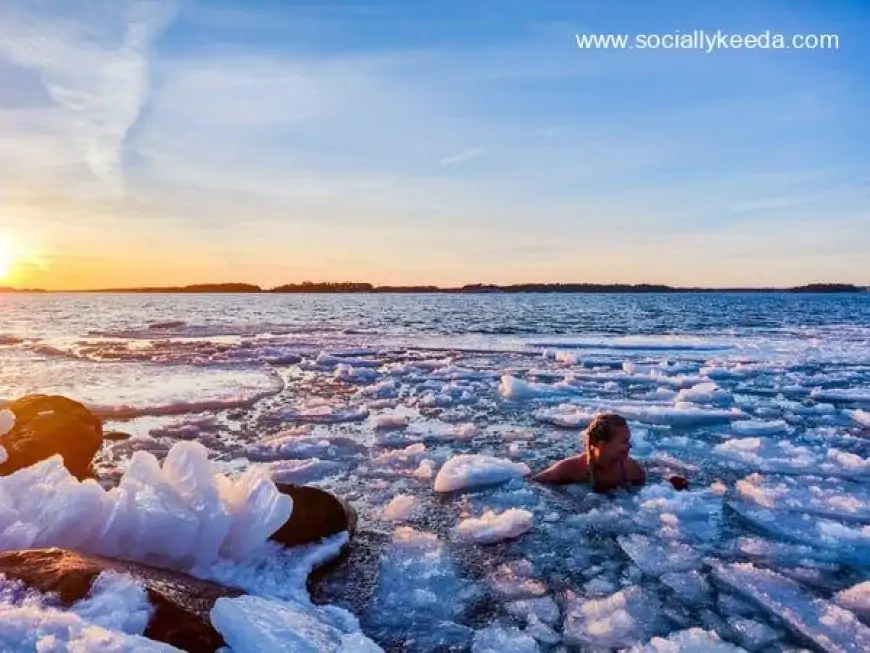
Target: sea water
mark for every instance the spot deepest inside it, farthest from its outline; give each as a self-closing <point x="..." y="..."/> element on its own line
<point x="429" y="413"/>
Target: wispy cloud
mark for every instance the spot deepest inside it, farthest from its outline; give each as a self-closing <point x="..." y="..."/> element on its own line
<point x="92" y="59"/>
<point x="464" y="155"/>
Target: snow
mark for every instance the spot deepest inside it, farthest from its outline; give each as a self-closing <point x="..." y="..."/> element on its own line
<point x="470" y="470"/>
<point x="827" y="625"/>
<point x="111" y="619"/>
<point x="494" y="527"/>
<point x="116" y="602"/>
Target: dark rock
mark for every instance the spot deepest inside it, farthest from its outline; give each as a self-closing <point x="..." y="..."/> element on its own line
<point x="116" y="436"/>
<point x="316" y="514"/>
<point x="47" y="425"/>
<point x="182" y="604"/>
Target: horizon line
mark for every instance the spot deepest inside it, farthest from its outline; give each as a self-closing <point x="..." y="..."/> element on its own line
<point x="353" y="287"/>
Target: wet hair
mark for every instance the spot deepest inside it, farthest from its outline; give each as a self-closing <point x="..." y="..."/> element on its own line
<point x="602" y="428"/>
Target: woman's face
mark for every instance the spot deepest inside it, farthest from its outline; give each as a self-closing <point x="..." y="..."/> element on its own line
<point x="616" y="448"/>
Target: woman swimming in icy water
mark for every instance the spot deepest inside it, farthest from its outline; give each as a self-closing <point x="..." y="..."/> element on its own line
<point x="606" y="464"/>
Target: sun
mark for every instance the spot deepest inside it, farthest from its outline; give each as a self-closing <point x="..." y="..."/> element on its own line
<point x="9" y="256"/>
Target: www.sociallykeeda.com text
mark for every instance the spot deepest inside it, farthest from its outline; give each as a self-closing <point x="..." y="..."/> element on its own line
<point x="708" y="42"/>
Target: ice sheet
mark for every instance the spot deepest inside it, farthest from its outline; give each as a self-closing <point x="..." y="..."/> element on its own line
<point x="832" y="628"/>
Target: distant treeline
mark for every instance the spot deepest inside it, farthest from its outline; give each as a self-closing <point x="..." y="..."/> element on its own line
<point x="367" y="288"/>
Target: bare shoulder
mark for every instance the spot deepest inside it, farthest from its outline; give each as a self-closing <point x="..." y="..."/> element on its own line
<point x="634" y="471"/>
<point x="569" y="470"/>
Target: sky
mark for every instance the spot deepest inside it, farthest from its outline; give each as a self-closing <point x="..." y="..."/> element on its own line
<point x="170" y="142"/>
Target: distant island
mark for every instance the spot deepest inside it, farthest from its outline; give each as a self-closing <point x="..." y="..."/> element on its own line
<point x="309" y="287"/>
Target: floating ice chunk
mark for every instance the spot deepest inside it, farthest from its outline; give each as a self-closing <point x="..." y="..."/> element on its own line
<point x="619" y="620"/>
<point x="7" y="421"/>
<point x="705" y="393"/>
<point x="326" y="414"/>
<point x="566" y="416"/>
<point x="754" y="635"/>
<point x="824" y="497"/>
<point x="731" y="605"/>
<point x="516" y="580"/>
<point x="514" y="388"/>
<point x="659" y="557"/>
<point x="856" y="599"/>
<point x="390" y="421"/>
<point x="784" y="457"/>
<point x="693" y="640"/>
<point x="303" y="472"/>
<point x="759" y="427"/>
<point x="691" y="586"/>
<point x="860" y="416"/>
<point x="503" y="640"/>
<point x="831" y="627"/>
<point x="332" y="361"/>
<point x="351" y="374"/>
<point x="491" y="527"/>
<point x="544" y="609"/>
<point x="845" y="395"/>
<point x="292" y="445"/>
<point x="116" y="602"/>
<point x="598" y="587"/>
<point x="401" y="508"/>
<point x="384" y="390"/>
<point x="782" y="553"/>
<point x="415" y="574"/>
<point x="681" y="414"/>
<point x="849" y="543"/>
<point x="689" y="516"/>
<point x="251" y="624"/>
<point x="470" y="470"/>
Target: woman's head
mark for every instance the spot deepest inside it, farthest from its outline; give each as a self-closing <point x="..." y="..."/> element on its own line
<point x="608" y="438"/>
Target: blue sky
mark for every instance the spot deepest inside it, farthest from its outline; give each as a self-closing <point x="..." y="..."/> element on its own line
<point x="430" y="142"/>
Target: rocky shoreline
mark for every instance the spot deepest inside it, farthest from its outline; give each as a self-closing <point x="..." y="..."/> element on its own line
<point x="36" y="428"/>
